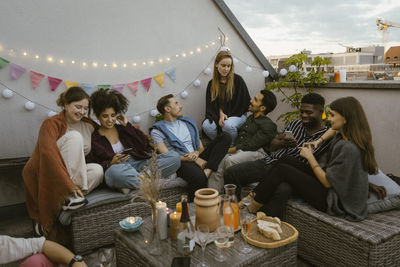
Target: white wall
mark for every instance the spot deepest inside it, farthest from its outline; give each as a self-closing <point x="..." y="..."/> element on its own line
<point x="120" y="31"/>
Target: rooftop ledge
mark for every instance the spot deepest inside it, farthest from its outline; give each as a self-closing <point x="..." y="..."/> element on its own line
<point x="384" y="85"/>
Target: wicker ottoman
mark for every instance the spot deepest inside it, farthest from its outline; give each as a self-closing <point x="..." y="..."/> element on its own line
<point x="326" y="240"/>
<point x="93" y="226"/>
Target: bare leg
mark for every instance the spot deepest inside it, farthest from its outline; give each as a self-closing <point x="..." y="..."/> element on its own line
<point x="207" y="172"/>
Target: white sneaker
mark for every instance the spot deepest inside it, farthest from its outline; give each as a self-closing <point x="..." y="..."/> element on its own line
<point x="74" y="203"/>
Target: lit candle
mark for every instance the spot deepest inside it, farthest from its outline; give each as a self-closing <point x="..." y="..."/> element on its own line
<point x="162" y="219"/>
<point x="175" y="217"/>
<point x="131" y="220"/>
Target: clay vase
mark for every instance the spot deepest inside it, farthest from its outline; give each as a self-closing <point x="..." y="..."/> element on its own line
<point x="207" y="208"/>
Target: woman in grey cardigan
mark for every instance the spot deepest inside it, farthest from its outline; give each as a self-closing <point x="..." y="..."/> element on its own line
<point x="338" y="184"/>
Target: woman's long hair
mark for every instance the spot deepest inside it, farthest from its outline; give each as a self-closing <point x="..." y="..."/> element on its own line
<point x="357" y="130"/>
<point x="215" y="84"/>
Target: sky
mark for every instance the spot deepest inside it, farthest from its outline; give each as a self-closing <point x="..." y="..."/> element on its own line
<point x="289" y="26"/>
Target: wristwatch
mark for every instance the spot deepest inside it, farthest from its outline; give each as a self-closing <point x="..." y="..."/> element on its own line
<point x="76" y="258"/>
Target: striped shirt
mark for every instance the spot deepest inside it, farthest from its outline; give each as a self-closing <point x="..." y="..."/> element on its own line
<point x="300" y="134"/>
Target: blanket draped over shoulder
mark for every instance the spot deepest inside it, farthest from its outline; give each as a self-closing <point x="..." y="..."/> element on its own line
<point x="47" y="182"/>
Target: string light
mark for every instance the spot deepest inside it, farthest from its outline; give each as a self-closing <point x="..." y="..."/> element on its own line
<point x="105" y="65"/>
<point x="52" y="59"/>
<point x="84" y="64"/>
<point x="114" y="65"/>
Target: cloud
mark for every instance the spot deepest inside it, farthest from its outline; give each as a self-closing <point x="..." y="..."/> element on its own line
<point x="317" y="25"/>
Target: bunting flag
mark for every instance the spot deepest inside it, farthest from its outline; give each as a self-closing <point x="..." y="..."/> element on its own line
<point x="53" y="82"/>
<point x="3" y="62"/>
<point x="70" y="84"/>
<point x="16" y="71"/>
<point x="146" y="83"/>
<point x="159" y="79"/>
<point x="36" y="78"/>
<point x="118" y="87"/>
<point x="103" y="86"/>
<point x="171" y="73"/>
<point x="134" y="87"/>
<point x="88" y="87"/>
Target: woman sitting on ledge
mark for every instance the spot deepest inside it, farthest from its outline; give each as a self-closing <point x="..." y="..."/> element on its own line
<point x="57" y="174"/>
<point x="110" y="142"/>
<point x="338" y="184"/>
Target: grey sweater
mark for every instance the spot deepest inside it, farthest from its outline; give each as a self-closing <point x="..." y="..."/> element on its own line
<point x="344" y="171"/>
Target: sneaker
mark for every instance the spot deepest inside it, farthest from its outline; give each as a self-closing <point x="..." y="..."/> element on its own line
<point x="74" y="203"/>
<point x="38" y="229"/>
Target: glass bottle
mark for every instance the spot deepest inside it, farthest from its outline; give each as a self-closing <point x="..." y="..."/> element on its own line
<point x="186" y="230"/>
<point x="230" y="189"/>
<point x="228" y="217"/>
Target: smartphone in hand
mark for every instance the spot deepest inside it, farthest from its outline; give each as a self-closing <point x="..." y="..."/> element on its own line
<point x="127" y="151"/>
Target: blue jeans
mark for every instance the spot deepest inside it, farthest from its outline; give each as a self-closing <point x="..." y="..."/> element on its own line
<point x="126" y="174"/>
<point x="231" y="126"/>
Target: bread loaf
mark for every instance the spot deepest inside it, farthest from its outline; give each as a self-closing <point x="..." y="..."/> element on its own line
<point x="272" y="225"/>
<point x="267" y="231"/>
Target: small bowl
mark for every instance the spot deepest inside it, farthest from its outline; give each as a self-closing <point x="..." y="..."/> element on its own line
<point x="131" y="227"/>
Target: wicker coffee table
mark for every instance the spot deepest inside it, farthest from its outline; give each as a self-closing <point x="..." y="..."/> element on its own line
<point x="131" y="250"/>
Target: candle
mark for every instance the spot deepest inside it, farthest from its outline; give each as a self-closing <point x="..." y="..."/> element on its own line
<point x="179" y="207"/>
<point x="174" y="218"/>
<point x="131" y="220"/>
<point x="162" y="219"/>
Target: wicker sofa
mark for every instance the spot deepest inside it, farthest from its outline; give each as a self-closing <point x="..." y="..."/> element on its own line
<point x="326" y="240"/>
<point x="93" y="225"/>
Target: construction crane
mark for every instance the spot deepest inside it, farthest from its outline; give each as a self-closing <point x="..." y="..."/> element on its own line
<point x="383" y="26"/>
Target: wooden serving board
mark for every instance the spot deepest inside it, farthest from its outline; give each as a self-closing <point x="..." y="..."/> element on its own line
<point x="256" y="238"/>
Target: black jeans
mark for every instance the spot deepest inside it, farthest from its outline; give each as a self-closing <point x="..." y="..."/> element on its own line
<point x="213" y="154"/>
<point x="299" y="176"/>
<point x="249" y="172"/>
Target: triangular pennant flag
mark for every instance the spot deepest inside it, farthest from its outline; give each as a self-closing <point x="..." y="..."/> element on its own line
<point x="171" y="74"/>
<point x="36" y="78"/>
<point x="3" y="62"/>
<point x="103" y="86"/>
<point x="16" y="71"/>
<point x="70" y="84"/>
<point x="160" y="79"/>
<point x="133" y="86"/>
<point x="118" y="87"/>
<point x="53" y="82"/>
<point x="88" y="88"/>
<point x="146" y="83"/>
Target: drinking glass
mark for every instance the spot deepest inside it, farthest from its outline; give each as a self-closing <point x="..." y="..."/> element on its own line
<point x="243" y="195"/>
<point x="202" y="234"/>
<point x="245" y="219"/>
<point x="106" y="256"/>
<point x="221" y="241"/>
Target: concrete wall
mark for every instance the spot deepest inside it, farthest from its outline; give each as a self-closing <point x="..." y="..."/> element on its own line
<point x="106" y="31"/>
<point x="380" y="102"/>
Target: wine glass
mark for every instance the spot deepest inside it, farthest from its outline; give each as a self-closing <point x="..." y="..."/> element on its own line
<point x="244" y="195"/>
<point x="202" y="234"/>
<point x="106" y="256"/>
<point x="221" y="241"/>
<point x="245" y="219"/>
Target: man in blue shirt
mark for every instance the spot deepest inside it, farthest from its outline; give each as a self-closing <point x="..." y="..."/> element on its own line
<point x="179" y="133"/>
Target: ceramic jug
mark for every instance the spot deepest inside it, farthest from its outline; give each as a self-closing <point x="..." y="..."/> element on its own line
<point x="207" y="208"/>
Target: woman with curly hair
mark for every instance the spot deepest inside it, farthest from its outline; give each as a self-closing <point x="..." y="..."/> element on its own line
<point x="227" y="99"/>
<point x="111" y="142"/>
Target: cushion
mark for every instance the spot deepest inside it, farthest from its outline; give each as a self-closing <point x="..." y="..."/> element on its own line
<point x="392" y="199"/>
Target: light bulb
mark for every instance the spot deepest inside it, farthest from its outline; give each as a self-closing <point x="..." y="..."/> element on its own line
<point x="154" y="112"/>
<point x="197" y="83"/>
<point x="114" y="65"/>
<point x="94" y="64"/>
<point x="124" y="65"/>
<point x="73" y="61"/>
<point x="191" y="52"/>
<point x="292" y="68"/>
<point x="184" y="94"/>
<point x="25" y="54"/>
<point x="183" y="55"/>
<point x="50" y="59"/>
<point x="265" y="73"/>
<point x="51" y="113"/>
<point x="283" y="72"/>
<point x="61" y="61"/>
<point x="7" y="93"/>
<point x="249" y="69"/>
<point x="37" y="56"/>
<point x="207" y="71"/>
<point x="198" y="50"/>
<point x="29" y="106"/>
<point x="84" y="64"/>
<point x="137" y="119"/>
